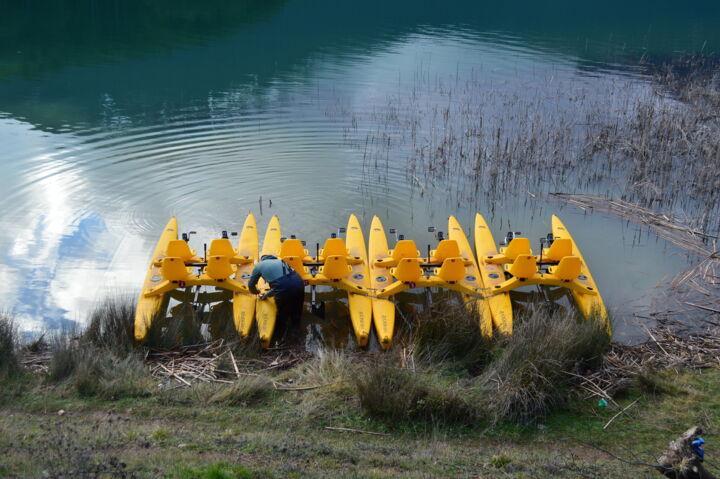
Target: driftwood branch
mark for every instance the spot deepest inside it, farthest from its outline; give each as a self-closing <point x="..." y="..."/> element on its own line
<point x="356" y="431"/>
<point x="680" y="461"/>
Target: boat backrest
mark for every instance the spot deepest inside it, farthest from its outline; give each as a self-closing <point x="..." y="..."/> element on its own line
<point x="221" y="247"/>
<point x="452" y="270"/>
<point x="219" y="267"/>
<point x="408" y="270"/>
<point x="173" y="268"/>
<point x="516" y="247"/>
<point x="568" y="269"/>
<point x="405" y="249"/>
<point x="559" y="248"/>
<point x="292" y="247"/>
<point x="445" y="249"/>
<point x="523" y="267"/>
<point x="179" y="249"/>
<point x="335" y="267"/>
<point x="333" y="247"/>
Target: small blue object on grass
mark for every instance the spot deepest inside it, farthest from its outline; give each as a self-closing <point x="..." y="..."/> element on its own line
<point x="697" y="447"/>
<point x="602" y="402"/>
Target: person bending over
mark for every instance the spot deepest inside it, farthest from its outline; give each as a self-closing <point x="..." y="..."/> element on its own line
<point x="286" y="286"/>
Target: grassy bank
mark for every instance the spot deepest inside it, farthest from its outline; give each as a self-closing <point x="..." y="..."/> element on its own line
<point x="443" y="403"/>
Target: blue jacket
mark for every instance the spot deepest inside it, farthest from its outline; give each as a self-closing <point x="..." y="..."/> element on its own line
<point x="271" y="269"/>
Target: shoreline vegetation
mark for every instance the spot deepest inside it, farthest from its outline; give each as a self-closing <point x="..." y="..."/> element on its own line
<point x="556" y="399"/>
<point x="649" y="140"/>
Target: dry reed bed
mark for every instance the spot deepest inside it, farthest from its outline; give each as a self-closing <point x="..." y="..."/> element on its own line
<point x="623" y="363"/>
<point x="652" y="140"/>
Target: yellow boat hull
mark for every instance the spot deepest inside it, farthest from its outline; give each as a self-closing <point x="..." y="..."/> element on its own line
<point x="492" y="275"/>
<point x="383" y="310"/>
<point x="244" y="303"/>
<point x="266" y="309"/>
<point x="148" y="307"/>
<point x="360" y="305"/>
<point x="590" y="305"/>
<point x="472" y="278"/>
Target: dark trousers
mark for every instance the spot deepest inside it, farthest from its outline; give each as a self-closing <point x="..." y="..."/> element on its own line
<point x="289" y="294"/>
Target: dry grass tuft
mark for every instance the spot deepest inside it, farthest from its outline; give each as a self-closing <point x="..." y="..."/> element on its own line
<point x="399" y="395"/>
<point x="111" y="325"/>
<point x="330" y="372"/>
<point x="449" y="335"/>
<point x="9" y="360"/>
<point x="529" y="377"/>
<point x="246" y="391"/>
<point x="93" y="371"/>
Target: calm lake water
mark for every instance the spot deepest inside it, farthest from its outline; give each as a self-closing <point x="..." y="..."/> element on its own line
<point x="116" y="115"/>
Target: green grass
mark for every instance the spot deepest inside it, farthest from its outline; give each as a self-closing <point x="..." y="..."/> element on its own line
<point x="284" y="434"/>
<point x="504" y="409"/>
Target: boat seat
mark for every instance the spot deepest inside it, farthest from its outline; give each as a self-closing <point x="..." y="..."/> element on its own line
<point x="559" y="248"/>
<point x="180" y="249"/>
<point x="333" y="247"/>
<point x="445" y="249"/>
<point x="219" y="267"/>
<point x="336" y="267"/>
<point x="408" y="270"/>
<point x="223" y="247"/>
<point x="173" y="269"/>
<point x="403" y="249"/>
<point x="452" y="270"/>
<point x="294" y="248"/>
<point x="568" y="269"/>
<point x="516" y="247"/>
<point x="524" y="266"/>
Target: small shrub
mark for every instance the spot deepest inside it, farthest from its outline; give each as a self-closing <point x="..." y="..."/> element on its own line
<point x="500" y="461"/>
<point x="399" y="395"/>
<point x="94" y="372"/>
<point x="328" y="366"/>
<point x="9" y="361"/>
<point x="246" y="391"/>
<point x="66" y="355"/>
<point x="449" y="333"/>
<point x="111" y="325"/>
<point x="160" y="434"/>
<point x="529" y="376"/>
<point x="333" y="371"/>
